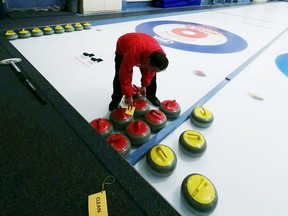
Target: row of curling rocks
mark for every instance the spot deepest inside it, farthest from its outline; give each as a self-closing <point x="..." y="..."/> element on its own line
<point x="198" y="193"/>
<point x="47" y="30"/>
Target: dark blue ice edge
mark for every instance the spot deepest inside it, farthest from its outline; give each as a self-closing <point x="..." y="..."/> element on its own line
<point x="137" y="155"/>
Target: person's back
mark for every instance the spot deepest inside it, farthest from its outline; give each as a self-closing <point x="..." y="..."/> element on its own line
<point x="138" y="44"/>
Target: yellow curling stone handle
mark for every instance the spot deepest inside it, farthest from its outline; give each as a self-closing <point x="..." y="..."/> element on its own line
<point x="201" y="189"/>
<point x="193" y="138"/>
<point x="23" y="31"/>
<point x="162" y="155"/>
<point x="203" y="113"/>
<point x="10" y="33"/>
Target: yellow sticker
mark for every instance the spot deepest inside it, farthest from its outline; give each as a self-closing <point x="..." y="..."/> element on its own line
<point x="97" y="204"/>
<point x="130" y="111"/>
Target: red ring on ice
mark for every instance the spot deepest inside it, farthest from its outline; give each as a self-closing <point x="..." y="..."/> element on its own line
<point x="195" y="33"/>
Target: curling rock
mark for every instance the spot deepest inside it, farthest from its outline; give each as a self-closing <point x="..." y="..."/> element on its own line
<point x="120" y="143"/>
<point x="78" y="27"/>
<point x="138" y="132"/>
<point x="102" y="126"/>
<point x="11" y="35"/>
<point x="69" y="28"/>
<point x="119" y="118"/>
<point x="141" y="107"/>
<point x="156" y="120"/>
<point x="48" y="30"/>
<point x="87" y="25"/>
<point x="24" y="33"/>
<point x="136" y="94"/>
<point x="170" y="108"/>
<point x="201" y="117"/>
<point x="161" y="160"/>
<point x="36" y="32"/>
<point x="192" y="143"/>
<point x="59" y="29"/>
<point x="199" y="194"/>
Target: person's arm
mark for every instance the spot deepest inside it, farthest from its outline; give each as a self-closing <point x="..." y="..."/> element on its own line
<point x="147" y="76"/>
<point x="126" y="75"/>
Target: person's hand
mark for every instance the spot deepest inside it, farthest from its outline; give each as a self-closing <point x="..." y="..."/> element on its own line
<point x="129" y="101"/>
<point x="143" y="91"/>
<point x="136" y="89"/>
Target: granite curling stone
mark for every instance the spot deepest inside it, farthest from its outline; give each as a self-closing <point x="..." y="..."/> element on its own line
<point x="11" y="35"/>
<point x="170" y="108"/>
<point x="59" y="29"/>
<point x="24" y="33"/>
<point x="141" y="107"/>
<point x="37" y="32"/>
<point x="78" y="27"/>
<point x="87" y="25"/>
<point x="201" y="117"/>
<point x="161" y="160"/>
<point x="156" y="120"/>
<point x="119" y="118"/>
<point x="48" y="30"/>
<point x="136" y="93"/>
<point x="199" y="194"/>
<point x="138" y="132"/>
<point x="120" y="143"/>
<point x="192" y="143"/>
<point x="69" y="28"/>
<point x="103" y="126"/>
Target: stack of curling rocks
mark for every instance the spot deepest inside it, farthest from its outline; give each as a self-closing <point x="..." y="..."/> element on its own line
<point x="138" y="132"/>
<point x="170" y="108"/>
<point x="192" y="143"/>
<point x="156" y="120"/>
<point x="102" y="126"/>
<point x="199" y="194"/>
<point x="201" y="117"/>
<point x="120" y="143"/>
<point x="161" y="160"/>
<point x="11" y="35"/>
<point x="119" y="118"/>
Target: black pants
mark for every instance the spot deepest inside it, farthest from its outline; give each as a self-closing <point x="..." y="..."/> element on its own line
<point x="117" y="92"/>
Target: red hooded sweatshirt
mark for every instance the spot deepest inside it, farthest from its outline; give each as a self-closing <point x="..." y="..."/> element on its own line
<point x="135" y="48"/>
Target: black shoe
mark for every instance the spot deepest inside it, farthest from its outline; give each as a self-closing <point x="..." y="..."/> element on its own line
<point x="155" y="101"/>
<point x="113" y="105"/>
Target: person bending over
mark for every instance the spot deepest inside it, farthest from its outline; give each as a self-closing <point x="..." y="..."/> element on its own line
<point x="143" y="51"/>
